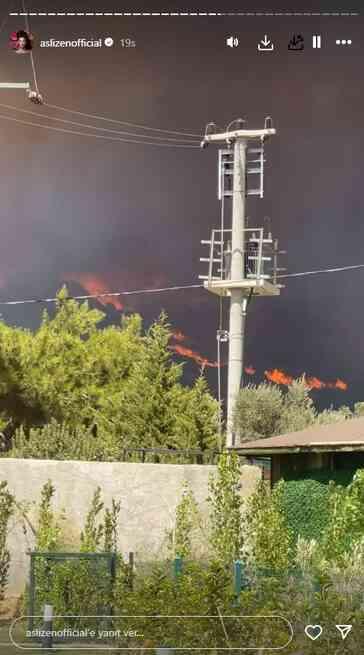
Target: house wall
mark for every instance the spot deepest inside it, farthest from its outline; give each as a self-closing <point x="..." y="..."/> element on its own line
<point x="290" y="466"/>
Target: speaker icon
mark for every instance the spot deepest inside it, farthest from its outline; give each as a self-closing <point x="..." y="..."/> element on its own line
<point x="232" y="41"/>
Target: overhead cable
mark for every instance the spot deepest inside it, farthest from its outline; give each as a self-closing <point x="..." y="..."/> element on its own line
<point x="96" y="136"/>
<point x="119" y="122"/>
<point x="164" y="289"/>
<point x="94" y="127"/>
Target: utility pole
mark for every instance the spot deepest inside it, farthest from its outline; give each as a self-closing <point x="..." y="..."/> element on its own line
<point x="246" y="250"/>
<point x="236" y="322"/>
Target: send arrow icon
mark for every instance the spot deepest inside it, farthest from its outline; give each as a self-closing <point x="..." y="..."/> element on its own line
<point x="344" y="630"/>
<point x="265" y="45"/>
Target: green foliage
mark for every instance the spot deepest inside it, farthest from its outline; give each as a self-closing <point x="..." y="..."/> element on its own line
<point x="305" y="506"/>
<point x="111" y="527"/>
<point x="359" y="409"/>
<point x="186" y="521"/>
<point x="226" y="518"/>
<point x="199" y="591"/>
<point x="56" y="441"/>
<point x="258" y="410"/>
<point x="74" y="390"/>
<point x="270" y="542"/>
<point x="49" y="528"/>
<point x="196" y="416"/>
<point x="298" y="408"/>
<point x="299" y="580"/>
<point x="7" y="508"/>
<point x="91" y="536"/>
<point x="265" y="410"/>
<point x="305" y="501"/>
<point x="346" y="518"/>
<point x="75" y="586"/>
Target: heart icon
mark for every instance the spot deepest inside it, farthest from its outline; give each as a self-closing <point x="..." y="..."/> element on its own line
<point x="313" y="631"/>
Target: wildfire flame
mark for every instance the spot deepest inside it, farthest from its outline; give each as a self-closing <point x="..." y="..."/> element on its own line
<point x="280" y="377"/>
<point x="339" y="384"/>
<point x="192" y="354"/>
<point x="94" y="285"/>
<point x="184" y="351"/>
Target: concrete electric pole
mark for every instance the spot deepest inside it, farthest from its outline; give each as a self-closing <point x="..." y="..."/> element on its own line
<point x="245" y="246"/>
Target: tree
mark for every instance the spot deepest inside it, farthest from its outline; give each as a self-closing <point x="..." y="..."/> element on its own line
<point x="270" y="542"/>
<point x="226" y="518"/>
<point x="75" y="389"/>
<point x="258" y="411"/>
<point x="265" y="410"/>
<point x="196" y="415"/>
<point x="298" y="410"/>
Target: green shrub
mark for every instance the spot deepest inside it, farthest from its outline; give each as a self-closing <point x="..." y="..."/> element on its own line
<point x="7" y="507"/>
<point x="305" y="502"/>
<point x="269" y="539"/>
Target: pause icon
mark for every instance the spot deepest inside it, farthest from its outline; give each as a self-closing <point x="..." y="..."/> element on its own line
<point x="316" y="41"/>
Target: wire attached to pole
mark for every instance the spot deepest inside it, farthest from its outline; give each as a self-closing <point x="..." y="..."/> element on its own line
<point x="27" y="27"/>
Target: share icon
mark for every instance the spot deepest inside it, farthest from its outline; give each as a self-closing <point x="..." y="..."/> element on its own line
<point x="344" y="630"/>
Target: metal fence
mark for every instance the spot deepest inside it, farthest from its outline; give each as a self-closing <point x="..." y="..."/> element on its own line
<point x="170" y="455"/>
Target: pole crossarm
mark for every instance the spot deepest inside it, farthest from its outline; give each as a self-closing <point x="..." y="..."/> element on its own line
<point x="14" y="85"/>
<point x="239" y="134"/>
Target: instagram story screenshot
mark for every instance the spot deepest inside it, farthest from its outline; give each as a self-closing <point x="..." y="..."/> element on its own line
<point x="181" y="328"/>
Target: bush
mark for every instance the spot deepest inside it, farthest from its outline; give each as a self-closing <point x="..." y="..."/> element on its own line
<point x="305" y="502"/>
<point x="269" y="538"/>
<point x="7" y="506"/>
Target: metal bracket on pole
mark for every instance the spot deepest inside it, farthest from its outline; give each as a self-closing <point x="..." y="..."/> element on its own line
<point x="222" y="336"/>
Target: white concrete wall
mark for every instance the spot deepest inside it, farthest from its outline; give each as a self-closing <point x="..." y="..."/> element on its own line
<point x="148" y="493"/>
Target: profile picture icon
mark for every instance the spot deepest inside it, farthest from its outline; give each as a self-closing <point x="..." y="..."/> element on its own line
<point x="21" y="42"/>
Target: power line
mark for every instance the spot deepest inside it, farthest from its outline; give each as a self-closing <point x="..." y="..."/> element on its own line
<point x="94" y="127"/>
<point x="113" y="120"/>
<point x="97" y="136"/>
<point x="103" y="295"/>
<point x="323" y="270"/>
<point x="163" y="289"/>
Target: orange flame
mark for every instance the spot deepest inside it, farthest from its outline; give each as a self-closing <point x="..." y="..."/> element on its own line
<point x="339" y="384"/>
<point x="249" y="370"/>
<point x="280" y="377"/>
<point x="192" y="354"/>
<point x="94" y="285"/>
<point x="314" y="383"/>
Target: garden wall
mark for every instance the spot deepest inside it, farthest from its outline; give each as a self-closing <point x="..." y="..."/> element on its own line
<point x="148" y="493"/>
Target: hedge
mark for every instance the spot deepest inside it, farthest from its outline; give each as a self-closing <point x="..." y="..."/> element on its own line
<point x="305" y="501"/>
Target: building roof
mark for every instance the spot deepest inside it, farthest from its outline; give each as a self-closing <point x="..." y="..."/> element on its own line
<point x="347" y="435"/>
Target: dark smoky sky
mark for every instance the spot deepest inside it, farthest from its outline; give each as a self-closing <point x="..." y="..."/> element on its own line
<point x="134" y="215"/>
